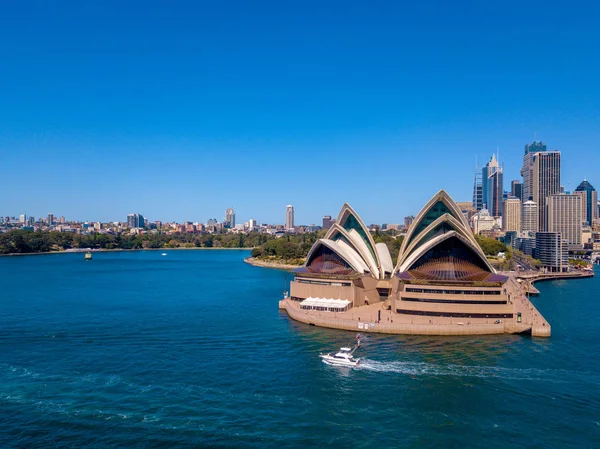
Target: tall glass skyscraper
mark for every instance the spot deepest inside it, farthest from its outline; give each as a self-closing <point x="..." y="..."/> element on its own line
<point x="590" y="201"/>
<point x="493" y="186"/>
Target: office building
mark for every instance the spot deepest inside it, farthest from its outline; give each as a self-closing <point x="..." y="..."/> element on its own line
<point x="493" y="187"/>
<point x="530" y="217"/>
<point x="289" y="217"/>
<point x="527" y="169"/>
<point x="50" y="219"/>
<point x="546" y="182"/>
<point x="22" y="218"/>
<point x="136" y="221"/>
<point x="516" y="189"/>
<point x="478" y="190"/>
<point x="590" y="200"/>
<point x="327" y="222"/>
<point x="564" y="216"/>
<point x="230" y="217"/>
<point x="511" y="215"/>
<point x="552" y="251"/>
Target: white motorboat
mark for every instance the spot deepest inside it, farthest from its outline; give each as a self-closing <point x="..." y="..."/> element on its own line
<point x="163" y="254"/>
<point x="343" y="357"/>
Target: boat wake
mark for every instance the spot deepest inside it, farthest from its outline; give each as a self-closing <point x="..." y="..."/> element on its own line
<point x="429" y="369"/>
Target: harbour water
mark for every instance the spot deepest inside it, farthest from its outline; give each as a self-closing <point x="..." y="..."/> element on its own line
<point x="135" y="349"/>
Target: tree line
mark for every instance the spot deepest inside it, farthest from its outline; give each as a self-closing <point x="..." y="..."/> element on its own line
<point x="24" y="242"/>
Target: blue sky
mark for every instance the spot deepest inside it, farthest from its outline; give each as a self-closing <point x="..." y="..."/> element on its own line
<point x="179" y="110"/>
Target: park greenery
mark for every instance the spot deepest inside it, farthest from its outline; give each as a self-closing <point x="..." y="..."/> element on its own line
<point x="25" y="242"/>
<point x="293" y="249"/>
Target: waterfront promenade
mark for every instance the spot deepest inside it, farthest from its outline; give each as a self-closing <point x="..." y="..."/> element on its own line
<point x="377" y="318"/>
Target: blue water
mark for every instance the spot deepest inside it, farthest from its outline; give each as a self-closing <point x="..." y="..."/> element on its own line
<point x="134" y="349"/>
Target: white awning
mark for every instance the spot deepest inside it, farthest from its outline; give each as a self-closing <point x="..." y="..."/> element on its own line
<point x="326" y="302"/>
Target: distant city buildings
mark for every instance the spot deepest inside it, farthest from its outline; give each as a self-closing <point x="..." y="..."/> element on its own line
<point x="511" y="215"/>
<point x="590" y="201"/>
<point x="552" y="250"/>
<point x="478" y="190"/>
<point x="529" y="216"/>
<point x="527" y="170"/>
<point x="564" y="216"/>
<point x="408" y="221"/>
<point x="289" y="217"/>
<point x="230" y="217"/>
<point x="136" y="221"/>
<point x="516" y="189"/>
<point x="327" y="222"/>
<point x="50" y="219"/>
<point x="493" y="187"/>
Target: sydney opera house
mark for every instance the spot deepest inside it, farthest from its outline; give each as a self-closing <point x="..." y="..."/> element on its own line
<point x="441" y="282"/>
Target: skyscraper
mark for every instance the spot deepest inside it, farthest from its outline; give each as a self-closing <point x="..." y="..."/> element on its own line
<point x="546" y="182"/>
<point x="22" y="218"/>
<point x="590" y="201"/>
<point x="327" y="222"/>
<point x="516" y="189"/>
<point x="478" y="190"/>
<point x="527" y="169"/>
<point x="564" y="216"/>
<point x="529" y="217"/>
<point x="289" y="217"/>
<point x="493" y="187"/>
<point x="511" y="216"/>
<point x="50" y="219"/>
<point x="230" y="217"/>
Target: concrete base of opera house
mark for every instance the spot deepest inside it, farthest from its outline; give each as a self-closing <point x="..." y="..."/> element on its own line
<point x="377" y="318"/>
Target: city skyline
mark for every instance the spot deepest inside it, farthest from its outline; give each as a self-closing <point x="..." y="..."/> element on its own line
<point x="247" y="118"/>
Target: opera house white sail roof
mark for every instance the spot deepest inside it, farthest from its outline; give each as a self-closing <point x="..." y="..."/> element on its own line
<point x="438" y="246"/>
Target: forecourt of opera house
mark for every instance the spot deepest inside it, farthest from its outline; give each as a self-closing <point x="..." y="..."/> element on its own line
<point x="441" y="284"/>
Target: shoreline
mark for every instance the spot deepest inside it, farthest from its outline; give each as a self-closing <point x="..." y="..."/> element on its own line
<point x="269" y="264"/>
<point x="104" y="250"/>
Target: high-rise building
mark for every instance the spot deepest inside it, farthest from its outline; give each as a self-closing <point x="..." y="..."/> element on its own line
<point x="136" y="221"/>
<point x="590" y="201"/>
<point x="527" y="169"/>
<point x="552" y="250"/>
<point x="546" y="182"/>
<point x="529" y="217"/>
<point x="408" y="221"/>
<point x="289" y="217"/>
<point x="478" y="190"/>
<point x="327" y="222"/>
<point x="511" y="215"/>
<point x="62" y="220"/>
<point x="230" y="217"/>
<point x="493" y="187"/>
<point x="564" y="216"/>
<point x="50" y="219"/>
<point x="31" y="220"/>
<point x="22" y="218"/>
<point x="516" y="189"/>
<point x="252" y="224"/>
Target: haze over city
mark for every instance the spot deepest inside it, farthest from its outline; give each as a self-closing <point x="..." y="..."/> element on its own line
<point x="181" y="111"/>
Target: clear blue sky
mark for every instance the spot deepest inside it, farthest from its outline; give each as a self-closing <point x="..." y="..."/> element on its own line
<point x="178" y="110"/>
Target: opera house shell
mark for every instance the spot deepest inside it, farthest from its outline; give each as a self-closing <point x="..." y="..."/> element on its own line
<point x="440" y="271"/>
